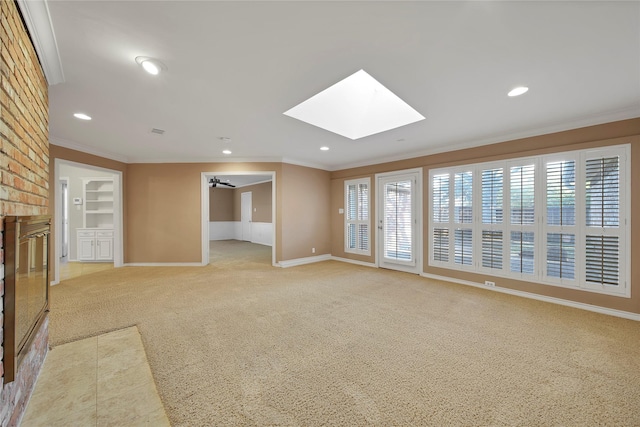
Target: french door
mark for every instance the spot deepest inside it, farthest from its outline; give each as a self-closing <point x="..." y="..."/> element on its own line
<point x="398" y="231"/>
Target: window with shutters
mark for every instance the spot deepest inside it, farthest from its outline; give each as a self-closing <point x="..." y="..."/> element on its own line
<point x="441" y="219"/>
<point x="493" y="227"/>
<point x="522" y="218"/>
<point x="559" y="219"/>
<point x="560" y="225"/>
<point x="357" y="218"/>
<point x="605" y="219"/>
<point x="463" y="217"/>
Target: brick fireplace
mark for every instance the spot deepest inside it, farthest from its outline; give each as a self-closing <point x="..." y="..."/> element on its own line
<point x="24" y="174"/>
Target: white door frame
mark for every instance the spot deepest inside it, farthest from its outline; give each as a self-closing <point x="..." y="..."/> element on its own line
<point x="64" y="179"/>
<point x="204" y="213"/>
<point x="118" y="250"/>
<point x="418" y="236"/>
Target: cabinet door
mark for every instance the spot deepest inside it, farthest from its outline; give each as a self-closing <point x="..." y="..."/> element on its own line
<point x="86" y="249"/>
<point x="104" y="248"/>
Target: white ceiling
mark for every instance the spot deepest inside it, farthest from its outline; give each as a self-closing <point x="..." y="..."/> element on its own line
<point x="235" y="67"/>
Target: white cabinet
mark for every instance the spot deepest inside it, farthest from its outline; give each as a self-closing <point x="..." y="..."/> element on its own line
<point x="104" y="245"/>
<point x="86" y="246"/>
<point x="95" y="239"/>
<point x="95" y="244"/>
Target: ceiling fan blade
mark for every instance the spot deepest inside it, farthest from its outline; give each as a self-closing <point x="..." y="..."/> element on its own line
<point x="224" y="183"/>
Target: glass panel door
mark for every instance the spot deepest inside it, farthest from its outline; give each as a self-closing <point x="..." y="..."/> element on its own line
<point x="397" y="222"/>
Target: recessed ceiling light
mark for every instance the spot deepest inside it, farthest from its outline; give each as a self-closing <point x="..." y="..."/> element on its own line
<point x="82" y="116"/>
<point x="151" y="65"/>
<point x="356" y="107"/>
<point x="518" y="91"/>
<point x="324" y="148"/>
<point x="226" y="151"/>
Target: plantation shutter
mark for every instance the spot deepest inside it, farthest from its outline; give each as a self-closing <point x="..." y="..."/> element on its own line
<point x="492" y="218"/>
<point x="463" y="215"/>
<point x="363" y="216"/>
<point x="602" y="205"/>
<point x="561" y="219"/>
<point x="357" y="216"/>
<point x="522" y="219"/>
<point x="440" y="200"/>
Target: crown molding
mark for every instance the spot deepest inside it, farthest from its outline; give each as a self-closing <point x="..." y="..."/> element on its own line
<point x="38" y="20"/>
<point x="305" y="164"/>
<point x="594" y="120"/>
<point x="208" y="160"/>
<point x="86" y="149"/>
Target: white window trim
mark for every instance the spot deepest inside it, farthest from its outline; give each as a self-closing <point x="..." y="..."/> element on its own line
<point x="367" y="222"/>
<point x="540" y="229"/>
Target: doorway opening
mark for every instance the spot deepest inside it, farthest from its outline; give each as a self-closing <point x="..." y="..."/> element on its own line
<point x="88" y="219"/>
<point x="238" y="216"/>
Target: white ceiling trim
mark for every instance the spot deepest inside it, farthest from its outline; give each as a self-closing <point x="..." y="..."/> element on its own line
<point x="233" y="160"/>
<point x="36" y="16"/>
<point x="613" y="116"/>
<point x="209" y="160"/>
<point x="89" y="150"/>
<point x="97" y="152"/>
<point x="306" y="164"/>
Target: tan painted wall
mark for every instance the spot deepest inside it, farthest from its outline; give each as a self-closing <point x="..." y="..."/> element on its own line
<point x="225" y="203"/>
<point x="593" y="136"/>
<point x="305" y="196"/>
<point x="221" y="204"/>
<point x="260" y="202"/>
<point x="163" y="209"/>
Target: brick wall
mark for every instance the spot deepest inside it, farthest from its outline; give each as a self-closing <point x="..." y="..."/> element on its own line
<point x="24" y="175"/>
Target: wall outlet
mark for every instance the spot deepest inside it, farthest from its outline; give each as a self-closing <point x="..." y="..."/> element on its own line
<point x="313" y="250"/>
<point x="488" y="283"/>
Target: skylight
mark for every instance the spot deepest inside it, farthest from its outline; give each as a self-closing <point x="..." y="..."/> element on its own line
<point x="356" y="107"/>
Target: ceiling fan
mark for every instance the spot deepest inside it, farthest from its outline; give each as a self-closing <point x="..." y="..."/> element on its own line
<point x="213" y="182"/>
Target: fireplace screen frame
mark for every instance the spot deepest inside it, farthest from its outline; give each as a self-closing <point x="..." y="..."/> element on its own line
<point x="26" y="294"/>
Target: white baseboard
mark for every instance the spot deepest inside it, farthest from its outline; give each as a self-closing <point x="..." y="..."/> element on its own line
<point x="164" y="264"/>
<point x="353" y="261"/>
<point x="302" y="261"/>
<point x="55" y="282"/>
<point x="553" y="300"/>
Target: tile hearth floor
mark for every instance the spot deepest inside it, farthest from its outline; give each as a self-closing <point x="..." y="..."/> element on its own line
<point x="98" y="381"/>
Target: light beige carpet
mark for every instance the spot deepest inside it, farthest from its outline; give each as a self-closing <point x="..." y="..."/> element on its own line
<point x="241" y="343"/>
